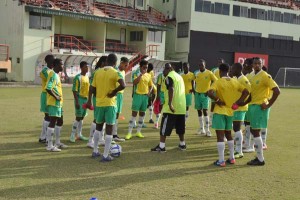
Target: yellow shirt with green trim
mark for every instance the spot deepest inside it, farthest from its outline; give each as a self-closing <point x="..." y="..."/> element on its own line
<point x="145" y="82"/>
<point x="44" y="76"/>
<point x="246" y="83"/>
<point x="123" y="77"/>
<point x="54" y="84"/>
<point x="152" y="74"/>
<point x="217" y="73"/>
<point x="203" y="80"/>
<point x="227" y="90"/>
<point x="187" y="79"/>
<point x="104" y="81"/>
<point x="81" y="85"/>
<point x="261" y="85"/>
<point x="160" y="81"/>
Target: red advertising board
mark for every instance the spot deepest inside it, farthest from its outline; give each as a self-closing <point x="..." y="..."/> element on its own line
<point x="241" y="57"/>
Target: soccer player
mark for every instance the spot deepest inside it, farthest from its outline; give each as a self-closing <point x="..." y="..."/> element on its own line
<point x="80" y="92"/>
<point x="55" y="104"/>
<point x="100" y="64"/>
<point x="239" y="114"/>
<point x="189" y="79"/>
<point x="174" y="109"/>
<point x="225" y="91"/>
<point x="104" y="83"/>
<point x="203" y="80"/>
<point x="43" y="100"/>
<point x="151" y="98"/>
<point x="121" y="69"/>
<point x="143" y="87"/>
<point x="261" y="84"/>
<point x="160" y="96"/>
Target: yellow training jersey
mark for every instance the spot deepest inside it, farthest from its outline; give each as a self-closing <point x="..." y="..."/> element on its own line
<point x="152" y="74"/>
<point x="187" y="79"/>
<point x="104" y="81"/>
<point x="81" y="85"/>
<point x="54" y="84"/>
<point x="203" y="80"/>
<point x="44" y="76"/>
<point x="261" y="84"/>
<point x="145" y="82"/>
<point x="123" y="77"/>
<point x="160" y="81"/>
<point x="227" y="90"/>
<point x="244" y="82"/>
<point x="217" y="73"/>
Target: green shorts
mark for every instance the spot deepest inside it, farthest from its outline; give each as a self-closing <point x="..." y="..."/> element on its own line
<point x="247" y="119"/>
<point x="162" y="98"/>
<point x="188" y="99"/>
<point x="94" y="104"/>
<point x="43" y="102"/>
<point x="258" y="117"/>
<point x="106" y="114"/>
<point x="139" y="102"/>
<point x="201" y="101"/>
<point x="119" y="102"/>
<point x="55" y="111"/>
<point x="239" y="116"/>
<point x="222" y="122"/>
<point x="80" y="112"/>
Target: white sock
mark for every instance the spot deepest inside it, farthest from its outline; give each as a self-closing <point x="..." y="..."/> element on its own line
<point x="162" y="145"/>
<point x="79" y="128"/>
<point x="74" y="128"/>
<point x="201" y="122"/>
<point x="96" y="140"/>
<point x="131" y="124"/>
<point x="101" y="136"/>
<point x="264" y="133"/>
<point x="151" y="111"/>
<point x="231" y="148"/>
<point x="206" y="119"/>
<point x="57" y="134"/>
<point x="140" y="124"/>
<point x="50" y="132"/>
<point x="186" y="114"/>
<point x="92" y="130"/>
<point x="238" y="137"/>
<point x="108" y="139"/>
<point x="44" y="129"/>
<point x="221" y="148"/>
<point x="258" y="147"/>
<point x="182" y="143"/>
<point x="211" y="116"/>
<point x="115" y="128"/>
<point x="251" y="142"/>
<point x="247" y="136"/>
<point x="157" y="118"/>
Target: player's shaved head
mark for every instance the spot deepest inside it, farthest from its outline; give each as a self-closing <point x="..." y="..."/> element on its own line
<point x="236" y="69"/>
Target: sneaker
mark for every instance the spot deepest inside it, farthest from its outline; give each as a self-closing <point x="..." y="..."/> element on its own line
<point x="156" y="125"/>
<point x="107" y="159"/>
<point x="182" y="147"/>
<point x="72" y="138"/>
<point x="238" y="155"/>
<point x="128" y="136"/>
<point x="208" y="133"/>
<point x="230" y="161"/>
<point x="151" y="121"/>
<point x="81" y="137"/>
<point x="42" y="140"/>
<point x="96" y="154"/>
<point x="221" y="164"/>
<point x="90" y="145"/>
<point x="61" y="146"/>
<point x="248" y="150"/>
<point x="158" y="149"/>
<point x="53" y="149"/>
<point x="139" y="135"/>
<point x="265" y="147"/>
<point x="256" y="162"/>
<point x="117" y="139"/>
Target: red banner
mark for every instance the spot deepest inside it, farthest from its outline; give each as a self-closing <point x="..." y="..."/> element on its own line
<point x="241" y="57"/>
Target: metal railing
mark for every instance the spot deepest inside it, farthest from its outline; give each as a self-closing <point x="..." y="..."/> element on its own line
<point x="289" y="4"/>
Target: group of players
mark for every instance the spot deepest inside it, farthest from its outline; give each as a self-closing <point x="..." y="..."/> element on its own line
<point x="229" y="90"/>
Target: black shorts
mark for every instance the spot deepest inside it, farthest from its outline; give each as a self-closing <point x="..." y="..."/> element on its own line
<point x="171" y="121"/>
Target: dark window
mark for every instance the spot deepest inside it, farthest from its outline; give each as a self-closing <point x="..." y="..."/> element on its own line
<point x="245" y="33"/>
<point x="183" y="30"/>
<point x="140" y="3"/>
<point x="40" y="21"/>
<point x="277" y="16"/>
<point x="206" y="6"/>
<point x="286" y="17"/>
<point x="244" y="11"/>
<point x="236" y="11"/>
<point x="293" y="18"/>
<point x="199" y="5"/>
<point x="136" y="36"/>
<point x="261" y="14"/>
<point x="226" y="9"/>
<point x="280" y="37"/>
<point x="253" y="13"/>
<point x="218" y="8"/>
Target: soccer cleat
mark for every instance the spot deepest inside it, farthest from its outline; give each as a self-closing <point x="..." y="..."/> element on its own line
<point x="96" y="154"/>
<point x="182" y="147"/>
<point x="139" y="135"/>
<point x="107" y="159"/>
<point x="220" y="164"/>
<point x="53" y="149"/>
<point x="61" y="146"/>
<point x="156" y="125"/>
<point x="208" y="133"/>
<point x="158" y="149"/>
<point x="151" y="121"/>
<point x="248" y="150"/>
<point x="81" y="137"/>
<point x="90" y="145"/>
<point x="256" y="162"/>
<point x="265" y="147"/>
<point x="230" y="161"/>
<point x="72" y="138"/>
<point x="238" y="155"/>
<point x="116" y="138"/>
<point x="128" y="136"/>
<point x="42" y="140"/>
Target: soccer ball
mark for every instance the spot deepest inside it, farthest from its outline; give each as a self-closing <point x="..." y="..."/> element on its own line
<point x="115" y="150"/>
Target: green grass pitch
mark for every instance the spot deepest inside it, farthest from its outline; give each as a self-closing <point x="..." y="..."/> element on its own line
<point x="28" y="171"/>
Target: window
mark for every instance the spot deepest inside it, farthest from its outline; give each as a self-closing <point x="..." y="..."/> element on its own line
<point x="117" y="1"/>
<point x="236" y="11"/>
<point x="277" y="16"/>
<point x="245" y="33"/>
<point x="183" y="30"/>
<point x="155" y="36"/>
<point x="140" y="3"/>
<point x="40" y="21"/>
<point x="208" y="7"/>
<point x="253" y="12"/>
<point x="225" y="9"/>
<point x="136" y="36"/>
<point x="286" y="17"/>
<point x="244" y="11"/>
<point x="261" y="14"/>
<point x="280" y="37"/>
<point x="199" y="5"/>
<point x="218" y="8"/>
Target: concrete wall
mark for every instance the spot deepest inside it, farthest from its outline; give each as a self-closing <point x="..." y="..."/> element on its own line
<point x="96" y="31"/>
<point x="161" y="48"/>
<point x="70" y="26"/>
<point x="11" y="33"/>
